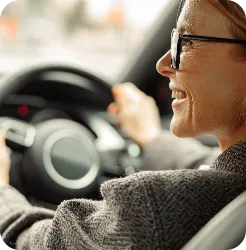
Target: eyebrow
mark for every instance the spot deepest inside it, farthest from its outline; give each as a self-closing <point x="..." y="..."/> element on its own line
<point x="184" y="27"/>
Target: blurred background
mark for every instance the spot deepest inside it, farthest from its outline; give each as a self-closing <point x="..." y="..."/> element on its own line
<point x="100" y="34"/>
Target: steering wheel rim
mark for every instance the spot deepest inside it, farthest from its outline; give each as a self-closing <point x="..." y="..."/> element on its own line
<point x="17" y="80"/>
<point x="14" y="82"/>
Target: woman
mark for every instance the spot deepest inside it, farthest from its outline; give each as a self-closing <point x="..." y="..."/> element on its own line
<point x="161" y="209"/>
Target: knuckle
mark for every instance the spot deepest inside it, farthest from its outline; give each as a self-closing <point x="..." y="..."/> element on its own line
<point x="151" y="100"/>
<point x="130" y="113"/>
<point x="130" y="83"/>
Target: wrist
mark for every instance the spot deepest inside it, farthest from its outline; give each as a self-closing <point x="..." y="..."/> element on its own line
<point x="151" y="137"/>
<point x="3" y="183"/>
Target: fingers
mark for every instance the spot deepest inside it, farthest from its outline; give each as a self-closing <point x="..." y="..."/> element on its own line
<point x="113" y="109"/>
<point x="127" y="99"/>
<point x="126" y="90"/>
<point x="2" y="138"/>
<point x="116" y="90"/>
<point x="126" y="93"/>
<point x="5" y="161"/>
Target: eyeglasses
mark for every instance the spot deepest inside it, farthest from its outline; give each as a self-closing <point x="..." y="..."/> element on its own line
<point x="177" y="40"/>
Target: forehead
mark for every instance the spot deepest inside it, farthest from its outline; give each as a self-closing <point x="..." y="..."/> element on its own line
<point x="188" y="19"/>
<point x="199" y="17"/>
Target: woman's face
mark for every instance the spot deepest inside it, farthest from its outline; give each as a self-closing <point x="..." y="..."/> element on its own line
<point x="212" y="74"/>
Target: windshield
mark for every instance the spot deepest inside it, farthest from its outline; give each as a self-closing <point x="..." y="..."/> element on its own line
<point x="102" y="35"/>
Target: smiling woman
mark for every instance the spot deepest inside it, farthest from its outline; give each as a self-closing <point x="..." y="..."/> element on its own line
<point x="208" y="69"/>
<point x="162" y="209"/>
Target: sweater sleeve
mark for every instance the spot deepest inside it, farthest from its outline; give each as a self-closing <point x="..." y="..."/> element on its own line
<point x="111" y="223"/>
<point x="168" y="152"/>
<point x="147" y="210"/>
<point x="17" y="214"/>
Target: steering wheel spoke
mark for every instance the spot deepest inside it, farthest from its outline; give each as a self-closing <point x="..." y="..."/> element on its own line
<point x="19" y="134"/>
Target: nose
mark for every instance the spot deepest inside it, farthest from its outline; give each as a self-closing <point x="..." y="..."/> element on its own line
<point x="163" y="66"/>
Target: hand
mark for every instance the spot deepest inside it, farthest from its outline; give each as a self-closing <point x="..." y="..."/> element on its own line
<point x="136" y="113"/>
<point x="4" y="161"/>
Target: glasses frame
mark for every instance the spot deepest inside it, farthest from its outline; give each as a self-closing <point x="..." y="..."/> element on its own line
<point x="176" y="61"/>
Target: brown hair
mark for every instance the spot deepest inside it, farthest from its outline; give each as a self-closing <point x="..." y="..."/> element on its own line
<point x="237" y="26"/>
<point x="236" y="17"/>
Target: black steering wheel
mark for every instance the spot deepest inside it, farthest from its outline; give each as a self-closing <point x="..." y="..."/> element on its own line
<point x="59" y="156"/>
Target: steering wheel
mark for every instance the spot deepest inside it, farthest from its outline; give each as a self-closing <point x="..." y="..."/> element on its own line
<point x="59" y="155"/>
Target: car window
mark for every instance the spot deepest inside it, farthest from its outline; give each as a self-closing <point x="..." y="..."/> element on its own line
<point x="100" y="34"/>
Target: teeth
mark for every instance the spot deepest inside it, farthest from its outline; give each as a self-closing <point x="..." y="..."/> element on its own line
<point x="178" y="95"/>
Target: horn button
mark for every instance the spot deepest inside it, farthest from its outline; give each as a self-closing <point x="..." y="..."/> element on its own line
<point x="63" y="161"/>
<point x="70" y="158"/>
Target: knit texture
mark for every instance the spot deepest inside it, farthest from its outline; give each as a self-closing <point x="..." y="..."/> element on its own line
<point x="145" y="210"/>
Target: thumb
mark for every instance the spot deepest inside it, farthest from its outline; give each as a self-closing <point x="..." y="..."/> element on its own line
<point x="2" y="138"/>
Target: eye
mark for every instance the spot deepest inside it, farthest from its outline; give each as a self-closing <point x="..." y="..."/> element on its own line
<point x="186" y="45"/>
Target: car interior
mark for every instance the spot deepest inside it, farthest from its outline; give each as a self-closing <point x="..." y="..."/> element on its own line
<point x="67" y="145"/>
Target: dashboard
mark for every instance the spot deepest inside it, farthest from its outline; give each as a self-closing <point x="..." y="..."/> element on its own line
<point x="33" y="109"/>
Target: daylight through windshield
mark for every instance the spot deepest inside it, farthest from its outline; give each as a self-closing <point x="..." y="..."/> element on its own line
<point x="100" y="34"/>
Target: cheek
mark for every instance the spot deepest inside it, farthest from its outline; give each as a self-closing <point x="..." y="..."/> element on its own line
<point x="207" y="73"/>
<point x="211" y="89"/>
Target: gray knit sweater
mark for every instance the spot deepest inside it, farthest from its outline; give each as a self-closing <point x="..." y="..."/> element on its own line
<point x="146" y="210"/>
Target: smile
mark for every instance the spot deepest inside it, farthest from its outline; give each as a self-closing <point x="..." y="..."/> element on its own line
<point x="178" y="95"/>
<point x="179" y="98"/>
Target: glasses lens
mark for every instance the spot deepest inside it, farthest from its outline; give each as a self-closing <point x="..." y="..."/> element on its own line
<point x="174" y="48"/>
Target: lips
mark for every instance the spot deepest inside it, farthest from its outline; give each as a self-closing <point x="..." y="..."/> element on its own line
<point x="178" y="90"/>
<point x="176" y="103"/>
<point x="175" y="88"/>
<point x="179" y="95"/>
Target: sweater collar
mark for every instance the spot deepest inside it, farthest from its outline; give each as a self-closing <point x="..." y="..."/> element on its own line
<point x="233" y="159"/>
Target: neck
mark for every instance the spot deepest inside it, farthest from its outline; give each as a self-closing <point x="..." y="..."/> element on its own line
<point x="227" y="140"/>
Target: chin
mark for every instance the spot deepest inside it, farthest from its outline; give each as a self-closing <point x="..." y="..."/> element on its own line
<point x="182" y="129"/>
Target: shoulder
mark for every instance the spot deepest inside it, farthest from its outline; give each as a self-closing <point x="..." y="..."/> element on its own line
<point x="172" y="178"/>
<point x="144" y="186"/>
